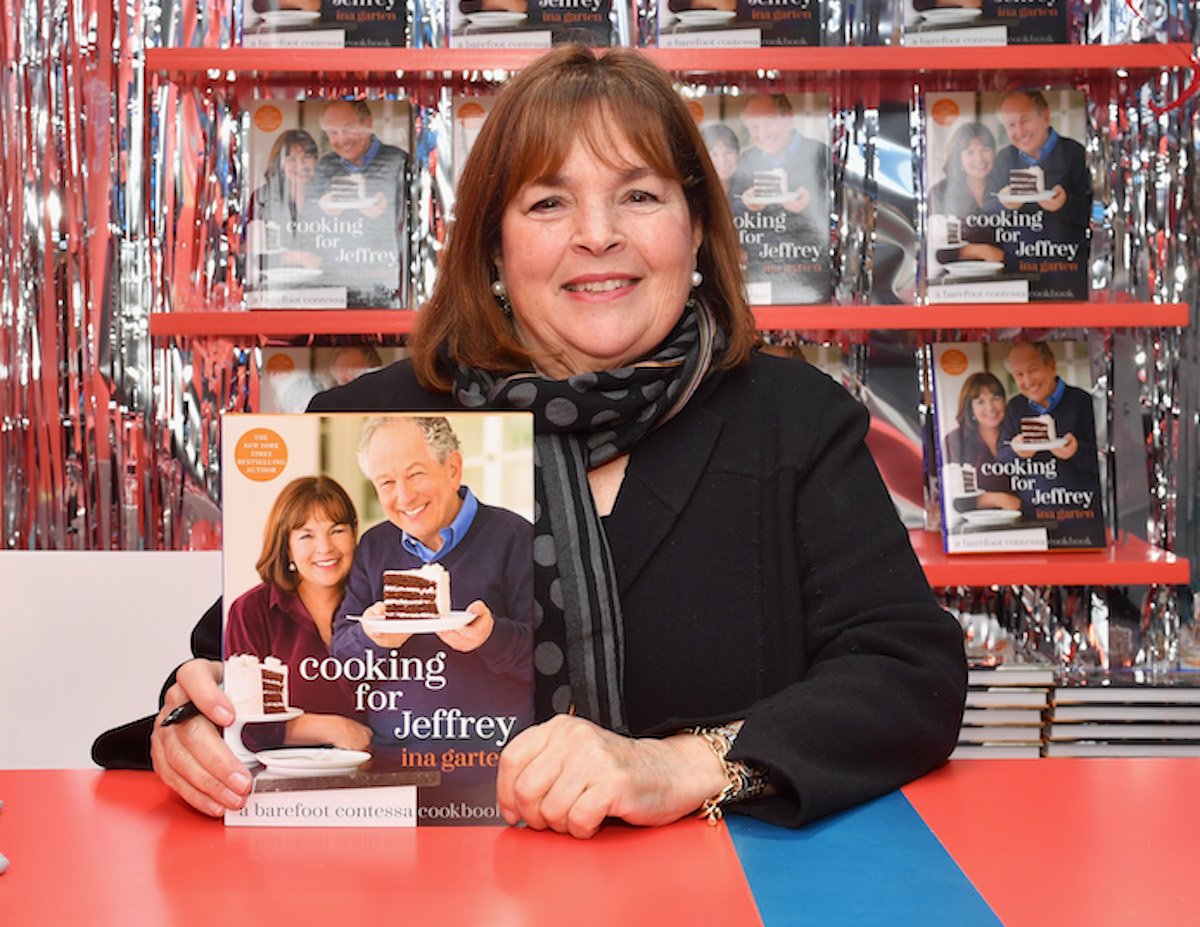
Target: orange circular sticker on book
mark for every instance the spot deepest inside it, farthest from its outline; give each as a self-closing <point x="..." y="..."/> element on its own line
<point x="944" y="112"/>
<point x="260" y="455"/>
<point x="280" y="363"/>
<point x="268" y="118"/>
<point x="470" y="111"/>
<point x="954" y="362"/>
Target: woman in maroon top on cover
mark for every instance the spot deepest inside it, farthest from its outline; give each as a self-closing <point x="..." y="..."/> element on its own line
<point x="308" y="546"/>
<point x="976" y="440"/>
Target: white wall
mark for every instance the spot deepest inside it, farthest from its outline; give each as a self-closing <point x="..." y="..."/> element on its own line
<point x="86" y="639"/>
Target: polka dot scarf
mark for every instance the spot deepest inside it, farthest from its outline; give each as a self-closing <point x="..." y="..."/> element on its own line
<point x="580" y="423"/>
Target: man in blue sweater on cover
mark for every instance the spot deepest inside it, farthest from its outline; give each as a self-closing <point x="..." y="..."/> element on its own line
<point x="1059" y="479"/>
<point x="460" y="693"/>
<point x="1049" y="237"/>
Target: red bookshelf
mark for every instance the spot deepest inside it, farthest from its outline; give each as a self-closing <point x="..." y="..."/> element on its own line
<point x="212" y="62"/>
<point x="293" y="322"/>
<point x="1127" y="561"/>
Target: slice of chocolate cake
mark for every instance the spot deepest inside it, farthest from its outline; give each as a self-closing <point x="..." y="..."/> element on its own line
<point x="421" y="593"/>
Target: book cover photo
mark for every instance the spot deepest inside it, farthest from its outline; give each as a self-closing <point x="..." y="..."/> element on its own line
<point x="1009" y="197"/>
<point x="741" y="23"/>
<point x="378" y="587"/>
<point x="771" y="153"/>
<point x="985" y="22"/>
<point x="288" y="377"/>
<point x="323" y="23"/>
<point x="1018" y="455"/>
<point x="531" y="23"/>
<point x="327" y="204"/>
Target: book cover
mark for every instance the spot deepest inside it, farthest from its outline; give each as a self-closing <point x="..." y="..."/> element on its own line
<point x="771" y="153"/>
<point x="327" y="204"/>
<point x="530" y="23"/>
<point x="378" y="587"/>
<point x="1009" y="196"/>
<point x="985" y="22"/>
<point x="323" y="23"/>
<point x="288" y="377"/>
<point x="1018" y="457"/>
<point x="739" y="23"/>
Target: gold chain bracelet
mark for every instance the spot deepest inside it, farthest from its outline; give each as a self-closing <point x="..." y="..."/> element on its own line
<point x="742" y="781"/>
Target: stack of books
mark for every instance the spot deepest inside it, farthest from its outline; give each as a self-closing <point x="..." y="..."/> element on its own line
<point x="1125" y="718"/>
<point x="1004" y="713"/>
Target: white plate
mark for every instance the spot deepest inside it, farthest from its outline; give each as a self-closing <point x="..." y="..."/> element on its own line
<point x="974" y="268"/>
<point x="495" y="19"/>
<point x="451" y="621"/>
<point x="705" y="17"/>
<point x="1024" y="197"/>
<point x="291" y="274"/>
<point x="991" y="516"/>
<point x="287" y="715"/>
<point x="290" y="17"/>
<point x="777" y="199"/>
<point x="950" y="17"/>
<point x="312" y="761"/>
<point x="1019" y="445"/>
<point x="327" y="202"/>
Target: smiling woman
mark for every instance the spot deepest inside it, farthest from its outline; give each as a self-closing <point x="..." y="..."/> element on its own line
<point x="705" y="513"/>
<point x="308" y="548"/>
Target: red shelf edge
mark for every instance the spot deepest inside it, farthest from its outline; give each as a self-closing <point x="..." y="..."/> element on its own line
<point x="865" y="59"/>
<point x="283" y="322"/>
<point x="1127" y="561"/>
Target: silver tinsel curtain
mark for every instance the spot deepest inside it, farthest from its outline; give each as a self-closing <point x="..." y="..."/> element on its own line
<point x="121" y="195"/>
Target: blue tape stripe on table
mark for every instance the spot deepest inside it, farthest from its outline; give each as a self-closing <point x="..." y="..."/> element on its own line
<point x="875" y="864"/>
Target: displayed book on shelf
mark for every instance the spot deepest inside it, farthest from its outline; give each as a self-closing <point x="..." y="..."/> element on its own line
<point x="530" y="23"/>
<point x="1171" y="691"/>
<point x="288" y="377"/>
<point x="1009" y="196"/>
<point x="323" y="23"/>
<point x="1008" y="697"/>
<point x="771" y="153"/>
<point x="378" y="659"/>
<point x="985" y="22"/>
<point x="740" y="23"/>
<point x="327" y="204"/>
<point x="1023" y="675"/>
<point x="997" y="751"/>
<point x="1120" y="748"/>
<point x="1000" y="733"/>
<point x="1124" y="712"/>
<point x="1123" y="731"/>
<point x="1025" y="717"/>
<point x="1018" y="458"/>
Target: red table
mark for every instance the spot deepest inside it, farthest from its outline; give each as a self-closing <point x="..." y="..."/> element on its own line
<point x="1053" y="841"/>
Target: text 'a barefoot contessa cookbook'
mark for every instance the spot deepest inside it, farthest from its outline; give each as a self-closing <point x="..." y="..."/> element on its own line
<point x="378" y="624"/>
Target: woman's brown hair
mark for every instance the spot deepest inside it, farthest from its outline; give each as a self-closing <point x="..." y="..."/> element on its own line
<point x="294" y="505"/>
<point x="571" y="93"/>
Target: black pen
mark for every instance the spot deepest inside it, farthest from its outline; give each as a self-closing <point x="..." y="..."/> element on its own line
<point x="180" y="714"/>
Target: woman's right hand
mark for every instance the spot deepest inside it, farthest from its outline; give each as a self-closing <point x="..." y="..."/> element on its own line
<point x="192" y="757"/>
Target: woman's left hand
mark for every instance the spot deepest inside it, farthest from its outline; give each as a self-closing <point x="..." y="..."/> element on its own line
<point x="569" y="774"/>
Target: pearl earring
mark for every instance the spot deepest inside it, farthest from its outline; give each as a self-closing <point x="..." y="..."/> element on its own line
<point x="697" y="279"/>
<point x="498" y="289"/>
<point x="291" y="567"/>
